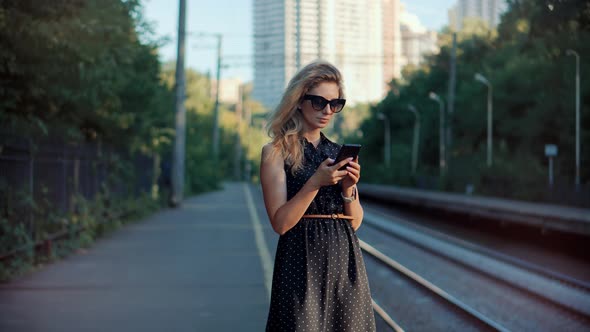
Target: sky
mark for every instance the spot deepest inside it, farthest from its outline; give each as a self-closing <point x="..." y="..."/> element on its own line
<point x="233" y="19"/>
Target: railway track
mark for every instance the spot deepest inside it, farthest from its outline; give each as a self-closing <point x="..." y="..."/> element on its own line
<point x="565" y="300"/>
<point x="507" y="258"/>
<point x="462" y="311"/>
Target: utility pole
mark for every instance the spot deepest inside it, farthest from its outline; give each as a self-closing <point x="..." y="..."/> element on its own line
<point x="238" y="147"/>
<point x="216" y="111"/>
<point x="451" y="101"/>
<point x="248" y="119"/>
<point x="180" y="138"/>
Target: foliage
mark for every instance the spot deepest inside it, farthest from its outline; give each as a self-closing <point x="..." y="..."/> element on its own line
<point x="253" y="134"/>
<point x="87" y="71"/>
<point x="533" y="105"/>
<point x="88" y="220"/>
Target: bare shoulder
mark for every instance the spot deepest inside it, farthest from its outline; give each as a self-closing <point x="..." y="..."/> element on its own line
<point x="267" y="156"/>
<point x="266" y="149"/>
<point x="271" y="168"/>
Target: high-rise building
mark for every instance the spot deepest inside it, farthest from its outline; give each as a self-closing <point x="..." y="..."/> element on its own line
<point x="488" y="11"/>
<point x="417" y="41"/>
<point x="288" y="34"/>
<point x="392" y="41"/>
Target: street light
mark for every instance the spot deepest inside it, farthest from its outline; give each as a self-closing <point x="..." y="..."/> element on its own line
<point x="441" y="162"/>
<point x="413" y="109"/>
<point x="479" y="77"/>
<point x="574" y="53"/>
<point x="387" y="147"/>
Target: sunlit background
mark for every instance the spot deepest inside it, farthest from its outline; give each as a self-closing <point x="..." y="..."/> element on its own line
<point x="88" y="101"/>
<point x="130" y="197"/>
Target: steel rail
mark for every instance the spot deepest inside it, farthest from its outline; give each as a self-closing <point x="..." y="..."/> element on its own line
<point x="430" y="286"/>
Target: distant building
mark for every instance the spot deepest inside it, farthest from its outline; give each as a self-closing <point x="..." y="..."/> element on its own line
<point x="230" y="90"/>
<point x="489" y="11"/>
<point x="417" y="41"/>
<point x="288" y="34"/>
<point x="392" y="41"/>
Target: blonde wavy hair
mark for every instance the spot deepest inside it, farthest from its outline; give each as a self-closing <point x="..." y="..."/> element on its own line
<point x="285" y="123"/>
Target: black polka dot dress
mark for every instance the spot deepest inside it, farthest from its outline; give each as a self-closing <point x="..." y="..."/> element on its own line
<point x="319" y="280"/>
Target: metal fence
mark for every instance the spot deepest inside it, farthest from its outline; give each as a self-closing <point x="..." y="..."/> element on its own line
<point x="53" y="172"/>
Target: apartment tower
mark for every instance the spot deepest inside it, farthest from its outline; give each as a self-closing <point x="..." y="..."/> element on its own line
<point x="288" y="34"/>
<point x="488" y="11"/>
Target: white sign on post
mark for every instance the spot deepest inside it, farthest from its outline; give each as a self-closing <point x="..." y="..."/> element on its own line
<point x="550" y="151"/>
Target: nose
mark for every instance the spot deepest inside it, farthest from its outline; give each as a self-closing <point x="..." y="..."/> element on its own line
<point x="328" y="108"/>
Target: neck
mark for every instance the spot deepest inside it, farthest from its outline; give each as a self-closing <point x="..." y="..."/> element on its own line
<point x="312" y="136"/>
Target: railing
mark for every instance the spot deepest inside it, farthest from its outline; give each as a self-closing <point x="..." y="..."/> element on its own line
<point x="52" y="173"/>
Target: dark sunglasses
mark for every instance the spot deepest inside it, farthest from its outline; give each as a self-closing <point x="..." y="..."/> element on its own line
<point x="319" y="103"/>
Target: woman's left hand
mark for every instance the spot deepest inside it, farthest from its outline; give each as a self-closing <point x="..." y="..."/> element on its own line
<point x="354" y="174"/>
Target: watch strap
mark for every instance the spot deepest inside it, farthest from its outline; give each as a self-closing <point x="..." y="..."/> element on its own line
<point x="351" y="198"/>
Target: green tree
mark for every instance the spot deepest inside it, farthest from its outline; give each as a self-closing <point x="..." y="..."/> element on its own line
<point x="533" y="85"/>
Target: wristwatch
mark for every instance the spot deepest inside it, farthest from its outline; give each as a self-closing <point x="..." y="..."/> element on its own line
<point x="351" y="198"/>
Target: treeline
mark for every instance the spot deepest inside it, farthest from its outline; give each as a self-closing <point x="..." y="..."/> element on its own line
<point x="78" y="68"/>
<point x="82" y="86"/>
<point x="88" y="71"/>
<point x="533" y="83"/>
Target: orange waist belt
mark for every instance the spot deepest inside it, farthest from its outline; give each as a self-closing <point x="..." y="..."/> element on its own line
<point x="328" y="216"/>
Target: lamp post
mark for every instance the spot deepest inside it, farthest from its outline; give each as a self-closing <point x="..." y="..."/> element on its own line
<point x="480" y="78"/>
<point x="387" y="147"/>
<point x="413" y="109"/>
<point x="574" y="53"/>
<point x="441" y="162"/>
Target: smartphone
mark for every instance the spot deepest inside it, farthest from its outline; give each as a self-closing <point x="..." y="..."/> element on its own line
<point x="347" y="151"/>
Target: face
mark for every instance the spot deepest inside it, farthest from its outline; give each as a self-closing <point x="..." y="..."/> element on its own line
<point x="314" y="119"/>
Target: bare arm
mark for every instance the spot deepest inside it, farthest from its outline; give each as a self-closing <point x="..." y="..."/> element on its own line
<point x="283" y="214"/>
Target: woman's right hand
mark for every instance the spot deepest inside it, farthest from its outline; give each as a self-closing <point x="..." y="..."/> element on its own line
<point x="328" y="174"/>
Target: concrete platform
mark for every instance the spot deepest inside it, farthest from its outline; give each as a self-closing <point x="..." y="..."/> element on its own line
<point x="196" y="268"/>
<point x="544" y="216"/>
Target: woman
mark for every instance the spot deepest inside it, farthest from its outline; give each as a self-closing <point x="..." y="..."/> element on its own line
<point x="319" y="279"/>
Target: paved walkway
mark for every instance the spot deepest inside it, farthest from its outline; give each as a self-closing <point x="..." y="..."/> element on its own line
<point x="196" y="268"/>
